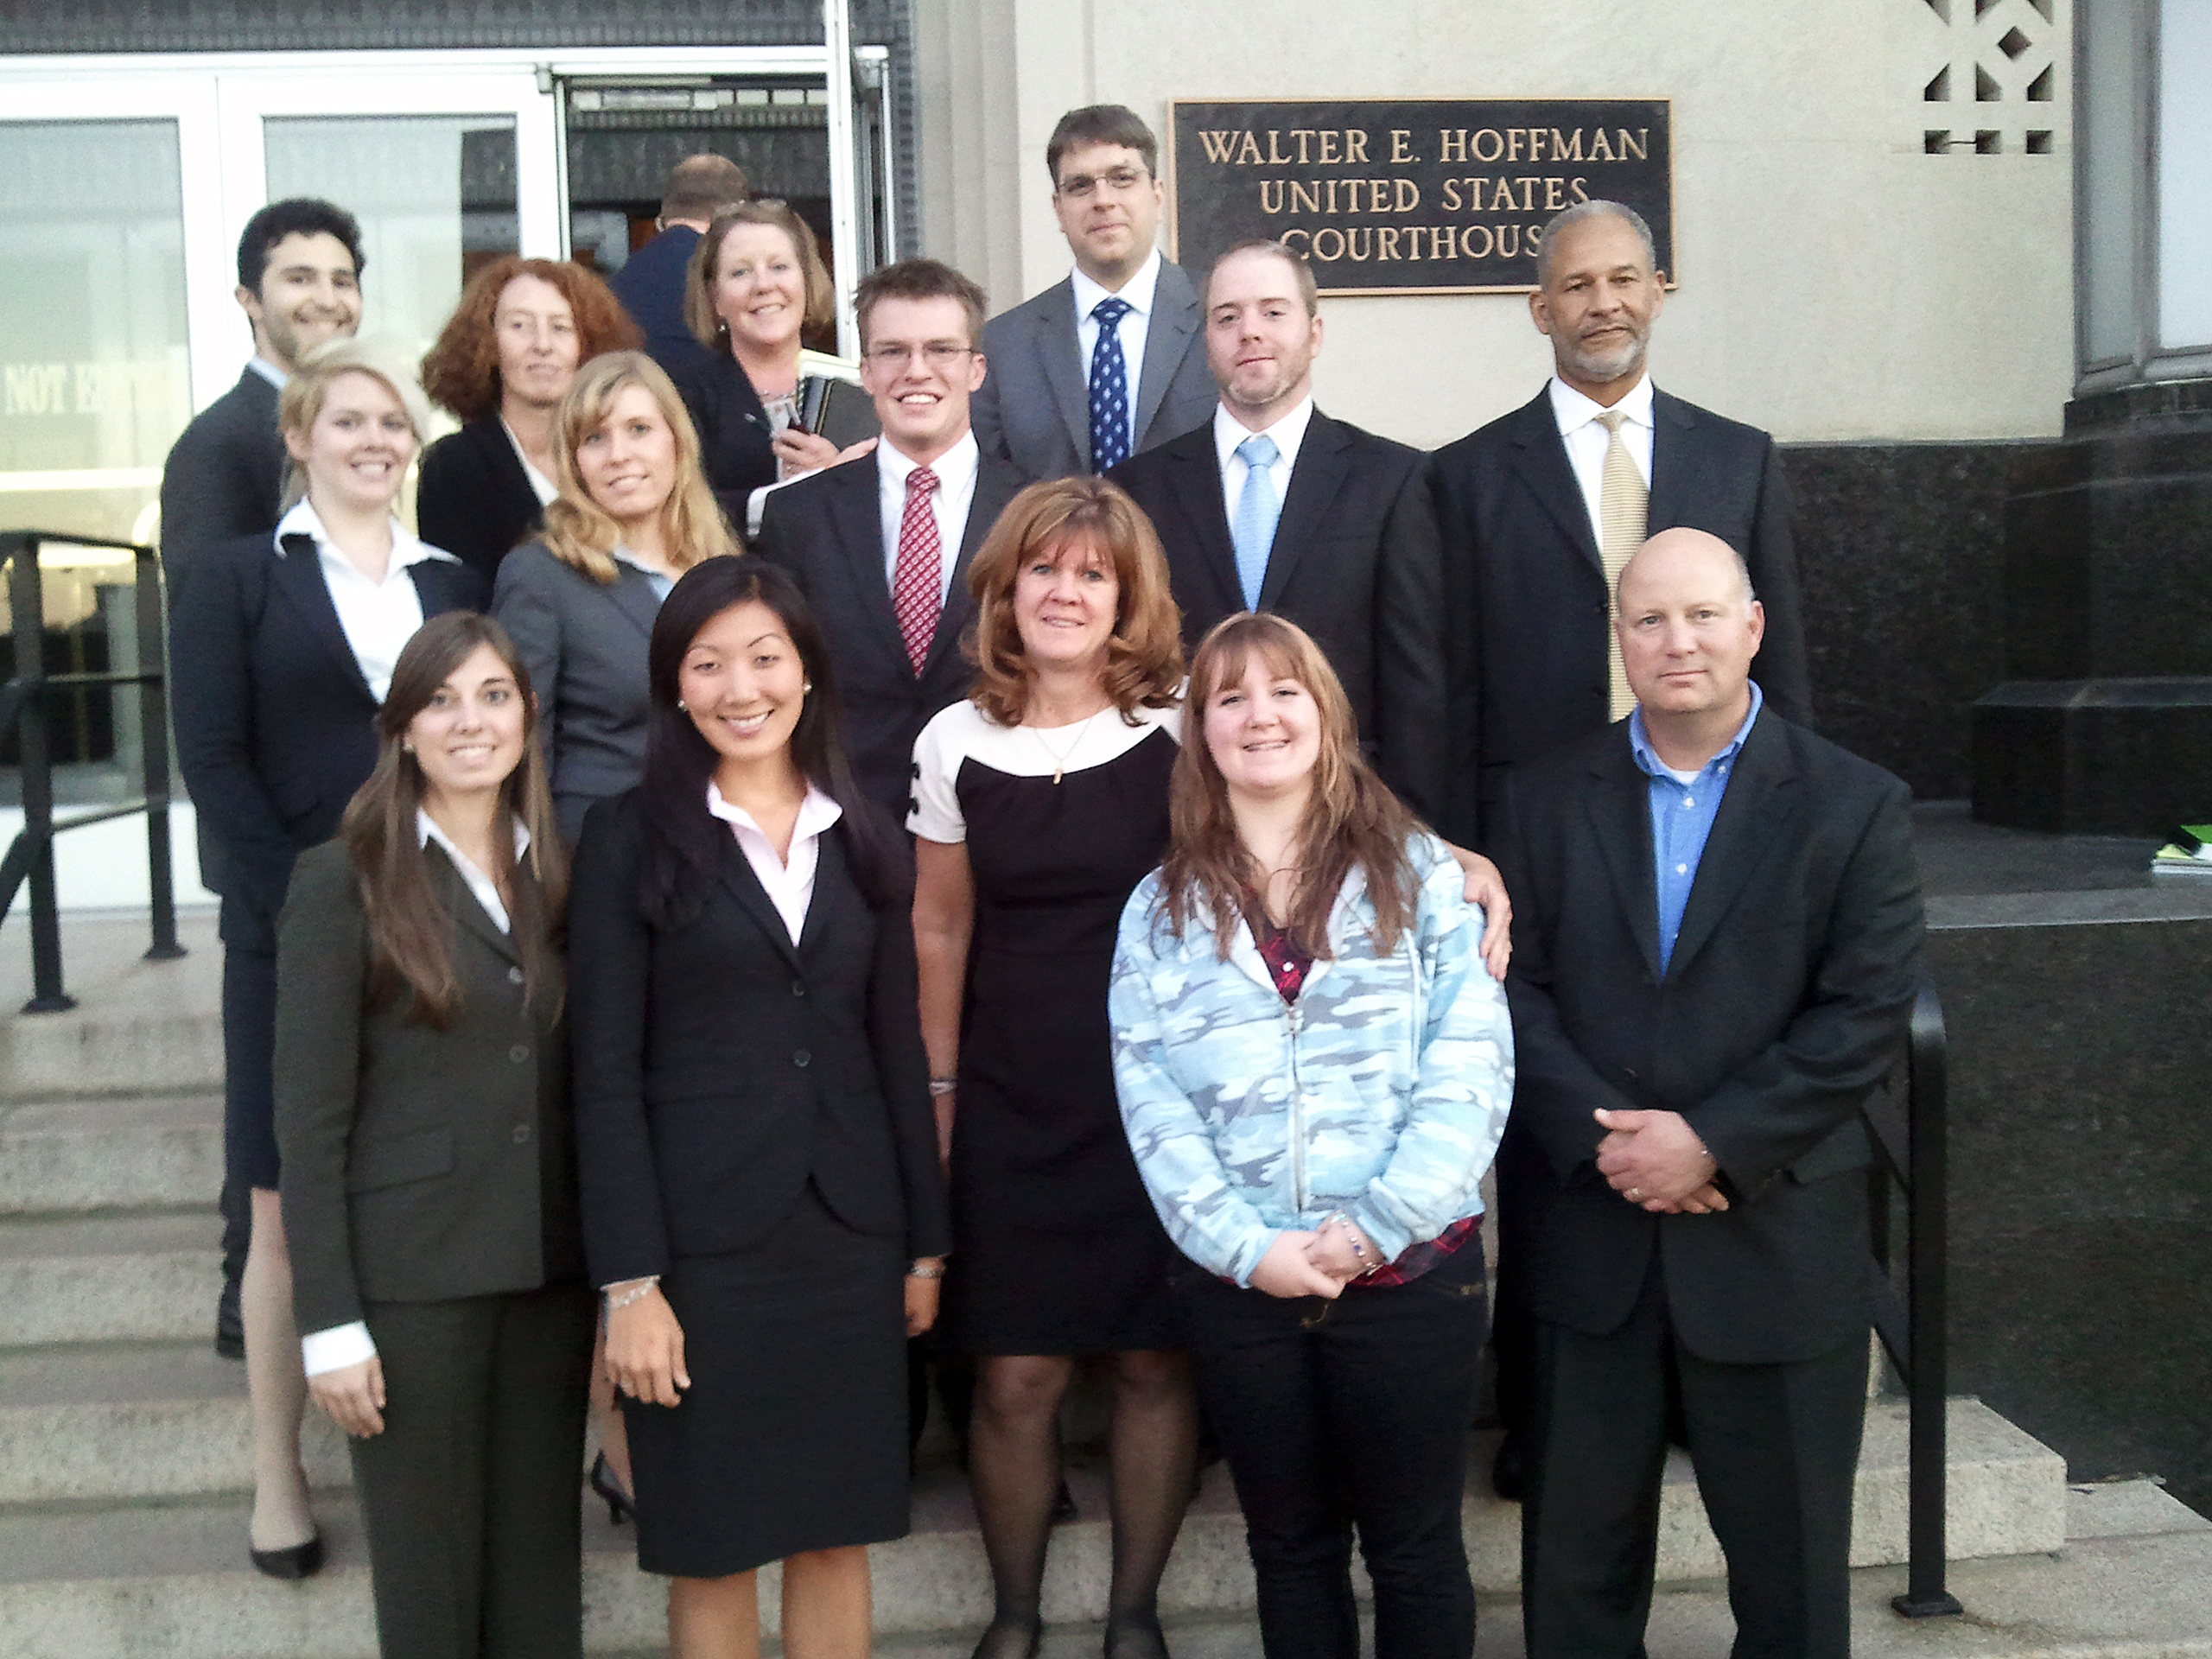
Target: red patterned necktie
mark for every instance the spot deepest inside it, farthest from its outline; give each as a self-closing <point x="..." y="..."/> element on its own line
<point x="914" y="587"/>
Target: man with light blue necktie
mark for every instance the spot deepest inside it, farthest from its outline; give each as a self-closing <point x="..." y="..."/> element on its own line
<point x="1274" y="506"/>
<point x="1109" y="361"/>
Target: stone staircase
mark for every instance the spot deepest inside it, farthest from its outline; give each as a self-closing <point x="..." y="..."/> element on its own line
<point x="124" y="1438"/>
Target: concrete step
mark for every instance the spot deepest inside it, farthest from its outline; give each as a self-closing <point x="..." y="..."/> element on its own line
<point x="136" y="1278"/>
<point x="2131" y="1579"/>
<point x="139" y="1026"/>
<point x="119" y="1424"/>
<point x="63" y="1155"/>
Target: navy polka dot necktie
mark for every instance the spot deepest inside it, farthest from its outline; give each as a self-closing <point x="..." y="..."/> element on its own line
<point x="1110" y="388"/>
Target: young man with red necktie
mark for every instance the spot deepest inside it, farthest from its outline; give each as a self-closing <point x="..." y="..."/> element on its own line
<point x="881" y="544"/>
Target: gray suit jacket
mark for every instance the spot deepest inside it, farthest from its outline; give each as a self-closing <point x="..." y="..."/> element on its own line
<point x="584" y="647"/>
<point x="1034" y="407"/>
<point x="420" y="1165"/>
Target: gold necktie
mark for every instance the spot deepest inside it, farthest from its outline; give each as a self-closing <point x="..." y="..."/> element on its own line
<point x="1622" y="508"/>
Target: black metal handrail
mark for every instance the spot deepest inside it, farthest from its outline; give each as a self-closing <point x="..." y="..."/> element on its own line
<point x="23" y="707"/>
<point x="1909" y="1125"/>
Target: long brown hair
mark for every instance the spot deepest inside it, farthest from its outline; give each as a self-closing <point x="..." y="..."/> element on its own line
<point x="1144" y="657"/>
<point x="461" y="372"/>
<point x="1351" y="818"/>
<point x="410" y="932"/>
<point x="578" y="530"/>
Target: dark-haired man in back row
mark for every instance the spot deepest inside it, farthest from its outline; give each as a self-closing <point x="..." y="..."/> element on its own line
<point x="1112" y="359"/>
<point x="299" y="285"/>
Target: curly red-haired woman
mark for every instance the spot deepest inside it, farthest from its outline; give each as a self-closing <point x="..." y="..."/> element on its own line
<point x="506" y="358"/>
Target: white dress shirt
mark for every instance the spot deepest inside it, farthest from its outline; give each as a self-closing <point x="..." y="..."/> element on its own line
<point x="955" y="493"/>
<point x="1136" y="323"/>
<point x="1289" y="433"/>
<point x="349" y="1345"/>
<point x="269" y="372"/>
<point x="789" y="883"/>
<point x="1586" y="441"/>
<point x="540" y="486"/>
<point x="378" y="618"/>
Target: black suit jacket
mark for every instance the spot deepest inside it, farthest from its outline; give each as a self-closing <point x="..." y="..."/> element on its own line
<point x="1033" y="408"/>
<point x="275" y="725"/>
<point x="224" y="479"/>
<point x="718" y="1067"/>
<point x="474" y="500"/>
<point x="1355" y="563"/>
<point x="420" y="1165"/>
<point x="651" y="287"/>
<point x="1783" y="1005"/>
<point x="1525" y="587"/>
<point x="737" y="446"/>
<point x="828" y="531"/>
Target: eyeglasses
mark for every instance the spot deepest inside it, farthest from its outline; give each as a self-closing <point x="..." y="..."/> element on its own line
<point x="1081" y="186"/>
<point x="937" y="353"/>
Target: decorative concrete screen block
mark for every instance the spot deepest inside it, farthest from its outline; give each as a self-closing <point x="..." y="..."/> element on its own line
<point x="1988" y="74"/>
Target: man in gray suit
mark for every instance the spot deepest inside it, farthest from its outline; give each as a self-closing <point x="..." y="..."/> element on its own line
<point x="1112" y="361"/>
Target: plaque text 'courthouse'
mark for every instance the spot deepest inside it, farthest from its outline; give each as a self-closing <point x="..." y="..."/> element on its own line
<point x="1427" y="195"/>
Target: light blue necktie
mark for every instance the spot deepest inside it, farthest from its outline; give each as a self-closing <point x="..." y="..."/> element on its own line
<point x="1110" y="388"/>
<point x="1253" y="531"/>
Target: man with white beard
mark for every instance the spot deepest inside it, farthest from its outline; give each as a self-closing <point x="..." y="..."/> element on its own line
<point x="1538" y="513"/>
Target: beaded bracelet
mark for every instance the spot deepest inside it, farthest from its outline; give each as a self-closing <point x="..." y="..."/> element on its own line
<point x="636" y="1293"/>
<point x="926" y="1270"/>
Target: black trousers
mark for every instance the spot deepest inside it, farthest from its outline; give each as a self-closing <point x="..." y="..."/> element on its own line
<point x="1345" y="1414"/>
<point x="1776" y="1448"/>
<point x="472" y="1493"/>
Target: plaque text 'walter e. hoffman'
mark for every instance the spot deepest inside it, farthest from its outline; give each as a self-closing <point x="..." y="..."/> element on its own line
<point x="1414" y="195"/>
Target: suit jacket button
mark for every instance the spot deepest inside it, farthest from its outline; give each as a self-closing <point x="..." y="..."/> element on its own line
<point x="522" y="1135"/>
<point x="514" y="975"/>
<point x="799" y="988"/>
<point x="519" y="1052"/>
<point x="801" y="1059"/>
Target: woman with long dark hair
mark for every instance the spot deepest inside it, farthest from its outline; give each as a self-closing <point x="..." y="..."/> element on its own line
<point x="762" y="1202"/>
<point x="283" y="645"/>
<point x="430" y="1197"/>
<point x="1314" y="1070"/>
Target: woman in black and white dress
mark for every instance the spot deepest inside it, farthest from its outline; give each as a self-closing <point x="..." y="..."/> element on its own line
<point x="1038" y="804"/>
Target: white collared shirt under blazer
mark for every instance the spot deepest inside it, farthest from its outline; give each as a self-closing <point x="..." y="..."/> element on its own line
<point x="1382" y="1091"/>
<point x="377" y="617"/>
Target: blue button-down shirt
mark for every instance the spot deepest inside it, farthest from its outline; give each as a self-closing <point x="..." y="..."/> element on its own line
<point x="1682" y="818"/>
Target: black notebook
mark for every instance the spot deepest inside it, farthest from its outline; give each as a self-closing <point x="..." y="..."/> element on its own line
<point x="836" y="409"/>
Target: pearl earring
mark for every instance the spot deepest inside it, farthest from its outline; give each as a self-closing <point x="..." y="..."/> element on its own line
<point x="805" y="688"/>
<point x="407" y="745"/>
<point x="680" y="708"/>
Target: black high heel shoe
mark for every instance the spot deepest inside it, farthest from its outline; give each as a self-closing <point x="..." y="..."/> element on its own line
<point x="292" y="1564"/>
<point x="620" y="1506"/>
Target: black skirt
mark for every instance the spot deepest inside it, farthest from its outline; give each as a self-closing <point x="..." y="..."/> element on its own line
<point x="793" y="1435"/>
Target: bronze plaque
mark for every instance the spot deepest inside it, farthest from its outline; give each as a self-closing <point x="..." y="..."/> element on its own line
<point x="1413" y="195"/>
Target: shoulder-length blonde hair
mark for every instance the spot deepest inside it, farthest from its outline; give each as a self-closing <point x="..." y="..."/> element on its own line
<point x="699" y="275"/>
<point x="1144" y="657"/>
<point x="410" y="932"/>
<point x="1351" y="817"/>
<point x="301" y="401"/>
<point x="578" y="530"/>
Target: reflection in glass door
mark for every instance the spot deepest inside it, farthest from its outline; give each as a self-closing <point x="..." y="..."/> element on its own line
<point x="435" y="196"/>
<point x="95" y="376"/>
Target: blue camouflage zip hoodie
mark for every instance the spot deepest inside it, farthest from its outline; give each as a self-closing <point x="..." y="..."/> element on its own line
<point x="1382" y="1091"/>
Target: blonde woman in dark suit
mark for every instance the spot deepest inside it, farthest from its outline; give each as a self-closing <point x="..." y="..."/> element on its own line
<point x="430" y="1188"/>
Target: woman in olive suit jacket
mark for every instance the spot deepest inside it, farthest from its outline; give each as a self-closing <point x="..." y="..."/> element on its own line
<point x="429" y="1160"/>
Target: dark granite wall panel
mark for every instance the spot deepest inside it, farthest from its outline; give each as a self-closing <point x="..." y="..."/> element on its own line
<point x="2082" y="1188"/>
<point x="1901" y="547"/>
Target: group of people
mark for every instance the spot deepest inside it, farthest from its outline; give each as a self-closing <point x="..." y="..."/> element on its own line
<point x="721" y="919"/>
